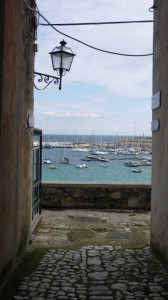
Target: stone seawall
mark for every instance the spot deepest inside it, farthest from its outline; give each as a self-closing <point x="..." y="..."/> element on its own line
<point x="96" y="195"/>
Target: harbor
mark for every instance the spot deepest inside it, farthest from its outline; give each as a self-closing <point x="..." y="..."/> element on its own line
<point x="86" y="159"/>
<point x="111" y="168"/>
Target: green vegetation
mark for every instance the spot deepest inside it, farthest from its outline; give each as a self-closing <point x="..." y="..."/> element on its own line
<point x="28" y="264"/>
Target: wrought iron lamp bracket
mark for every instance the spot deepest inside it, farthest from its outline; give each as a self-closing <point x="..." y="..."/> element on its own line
<point x="45" y="79"/>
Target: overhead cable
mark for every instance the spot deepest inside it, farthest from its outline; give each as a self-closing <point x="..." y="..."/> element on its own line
<point x="92" y="47"/>
<point x="85" y="44"/>
<point x="97" y="23"/>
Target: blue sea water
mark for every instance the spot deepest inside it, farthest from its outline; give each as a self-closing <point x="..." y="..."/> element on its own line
<point x="115" y="172"/>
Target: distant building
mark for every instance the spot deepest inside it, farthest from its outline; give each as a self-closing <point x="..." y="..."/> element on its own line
<point x="138" y="142"/>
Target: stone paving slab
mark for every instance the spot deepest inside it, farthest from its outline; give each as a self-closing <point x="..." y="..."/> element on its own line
<point x="72" y="229"/>
<point x="96" y="273"/>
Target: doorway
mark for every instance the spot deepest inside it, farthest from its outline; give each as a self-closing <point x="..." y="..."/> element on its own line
<point x="36" y="197"/>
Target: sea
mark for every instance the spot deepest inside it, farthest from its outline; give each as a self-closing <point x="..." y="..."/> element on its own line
<point x="116" y="171"/>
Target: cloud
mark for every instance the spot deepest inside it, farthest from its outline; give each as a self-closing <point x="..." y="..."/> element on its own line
<point x="83" y="116"/>
<point x="93" y="66"/>
<point x="80" y="116"/>
<point x="99" y="86"/>
<point x="49" y="113"/>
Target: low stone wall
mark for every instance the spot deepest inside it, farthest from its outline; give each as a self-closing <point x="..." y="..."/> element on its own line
<point x="96" y="195"/>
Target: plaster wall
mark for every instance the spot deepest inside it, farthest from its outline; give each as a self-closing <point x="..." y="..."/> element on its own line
<point x="159" y="232"/>
<point x="16" y="104"/>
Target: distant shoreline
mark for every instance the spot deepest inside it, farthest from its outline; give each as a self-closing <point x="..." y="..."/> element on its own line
<point x="99" y="141"/>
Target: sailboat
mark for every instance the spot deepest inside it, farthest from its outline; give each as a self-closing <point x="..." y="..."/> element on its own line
<point x="64" y="160"/>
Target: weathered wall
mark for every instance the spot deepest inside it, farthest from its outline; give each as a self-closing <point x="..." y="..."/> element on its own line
<point x="159" y="227"/>
<point x="16" y="103"/>
<point x="98" y="196"/>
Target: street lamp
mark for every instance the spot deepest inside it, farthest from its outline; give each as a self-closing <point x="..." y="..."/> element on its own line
<point x="62" y="58"/>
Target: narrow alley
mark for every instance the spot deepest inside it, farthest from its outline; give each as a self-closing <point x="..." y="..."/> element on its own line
<point x="91" y="255"/>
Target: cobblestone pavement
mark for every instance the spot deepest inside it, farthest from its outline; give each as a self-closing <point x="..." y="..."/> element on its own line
<point x="97" y="273"/>
<point x="94" y="255"/>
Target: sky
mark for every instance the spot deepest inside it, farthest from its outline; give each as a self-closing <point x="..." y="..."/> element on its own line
<point x="102" y="93"/>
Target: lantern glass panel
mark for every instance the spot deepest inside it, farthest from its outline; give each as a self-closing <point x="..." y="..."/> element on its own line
<point x="62" y="60"/>
<point x="56" y="59"/>
<point x="67" y="60"/>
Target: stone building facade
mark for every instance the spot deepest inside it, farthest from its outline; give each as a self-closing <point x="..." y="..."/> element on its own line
<point x="138" y="142"/>
<point x="159" y="232"/>
<point x="16" y="106"/>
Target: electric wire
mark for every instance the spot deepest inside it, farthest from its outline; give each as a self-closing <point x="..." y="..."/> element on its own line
<point x="83" y="43"/>
<point x="92" y="47"/>
<point x="96" y="23"/>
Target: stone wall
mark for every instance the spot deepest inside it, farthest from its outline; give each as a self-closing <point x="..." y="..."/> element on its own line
<point x="159" y="204"/>
<point x="96" y="196"/>
<point x="16" y="104"/>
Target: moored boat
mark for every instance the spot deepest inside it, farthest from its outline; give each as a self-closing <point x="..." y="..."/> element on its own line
<point x="64" y="160"/>
<point x="102" y="158"/>
<point x="80" y="150"/>
<point x="47" y="161"/>
<point x="82" y="166"/>
<point x="136" y="170"/>
<point x="53" y="167"/>
<point x="98" y="152"/>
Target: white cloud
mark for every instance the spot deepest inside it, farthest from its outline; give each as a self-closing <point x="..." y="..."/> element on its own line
<point x="49" y="113"/>
<point x="115" y="76"/>
<point x="83" y="116"/>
